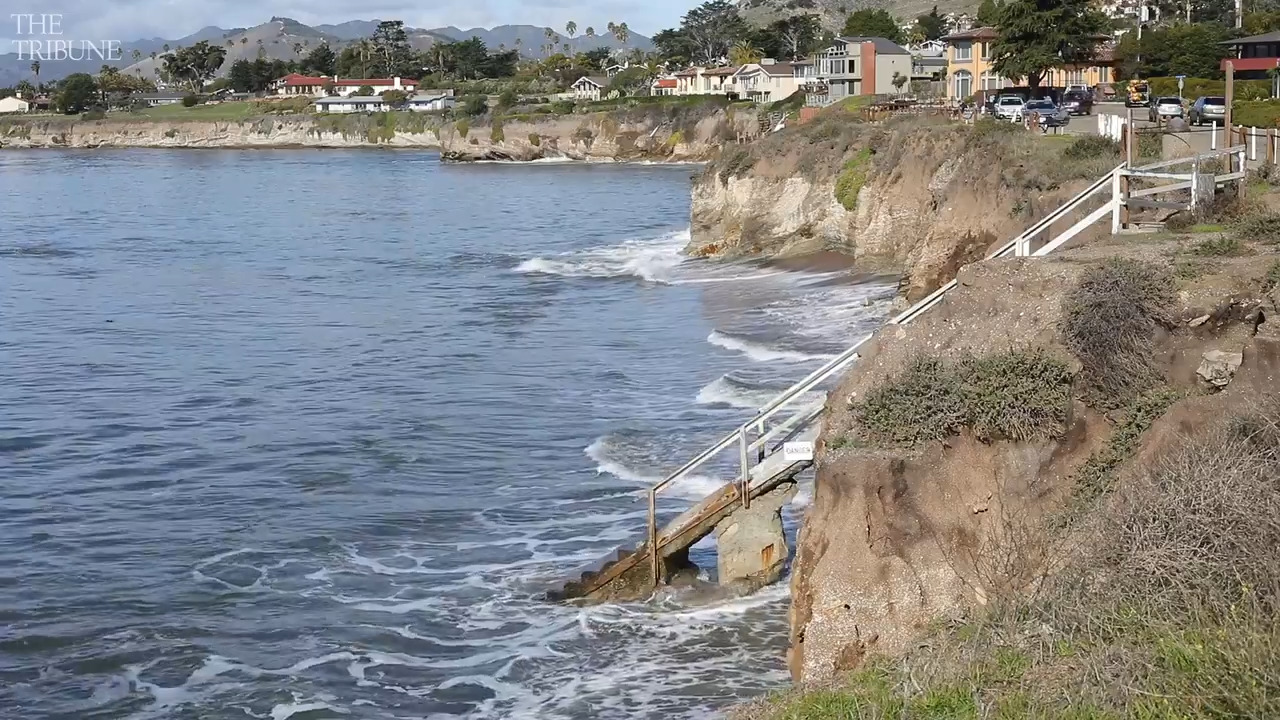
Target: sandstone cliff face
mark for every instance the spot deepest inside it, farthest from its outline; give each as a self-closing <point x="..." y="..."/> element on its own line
<point x="898" y="539"/>
<point x="933" y="198"/>
<point x="671" y="134"/>
<point x="301" y="131"/>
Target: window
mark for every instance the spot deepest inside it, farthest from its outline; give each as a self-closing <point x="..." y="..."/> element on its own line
<point x="986" y="51"/>
<point x="964" y="51"/>
<point x="992" y="81"/>
<point x="962" y="84"/>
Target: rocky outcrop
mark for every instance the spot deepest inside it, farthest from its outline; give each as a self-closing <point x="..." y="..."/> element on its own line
<point x="285" y="131"/>
<point x="909" y="198"/>
<point x="673" y="133"/>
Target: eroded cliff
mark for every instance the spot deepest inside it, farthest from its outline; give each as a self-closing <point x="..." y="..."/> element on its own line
<point x="673" y="132"/>
<point x="1058" y="377"/>
<point x="911" y="197"/>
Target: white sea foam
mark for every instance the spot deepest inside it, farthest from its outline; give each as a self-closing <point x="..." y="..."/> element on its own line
<point x="761" y="353"/>
<point x="651" y="260"/>
<point x="689" y="486"/>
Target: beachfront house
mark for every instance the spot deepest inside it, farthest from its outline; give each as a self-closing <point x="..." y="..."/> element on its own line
<point x="14" y="105"/>
<point x="855" y="66"/>
<point x="430" y="101"/>
<point x="297" y="85"/>
<point x="354" y="103"/>
<point x="704" y="81"/>
<point x="969" y="65"/>
<point x="589" y="88"/>
<point x="770" y="81"/>
<point x="663" y="86"/>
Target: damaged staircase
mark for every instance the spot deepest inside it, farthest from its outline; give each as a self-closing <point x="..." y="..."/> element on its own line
<point x="776" y="444"/>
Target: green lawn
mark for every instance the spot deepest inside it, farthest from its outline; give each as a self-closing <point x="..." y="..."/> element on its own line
<point x="220" y="111"/>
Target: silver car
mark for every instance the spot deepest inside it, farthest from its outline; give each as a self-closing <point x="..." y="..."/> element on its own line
<point x="1049" y="114"/>
<point x="1165" y="108"/>
<point x="1208" y="109"/>
<point x="1008" y="107"/>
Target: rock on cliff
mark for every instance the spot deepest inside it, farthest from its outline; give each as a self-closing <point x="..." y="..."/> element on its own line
<point x="676" y="132"/>
<point x="911" y="197"/>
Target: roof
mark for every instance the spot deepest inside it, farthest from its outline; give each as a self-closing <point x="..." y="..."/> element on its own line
<point x="162" y="96"/>
<point x="665" y="82"/>
<point x="720" y="71"/>
<point x="428" y="97"/>
<point x="883" y="46"/>
<point x="297" y="80"/>
<point x="598" y="81"/>
<point x="1263" y="38"/>
<point x="978" y="33"/>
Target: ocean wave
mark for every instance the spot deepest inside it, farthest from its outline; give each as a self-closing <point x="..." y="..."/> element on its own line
<point x="761" y="353"/>
<point x="693" y="487"/>
<point x="651" y="260"/>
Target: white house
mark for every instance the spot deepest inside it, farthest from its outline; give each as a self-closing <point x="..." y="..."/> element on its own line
<point x="704" y="81"/>
<point x="161" y="98"/>
<point x="294" y="84"/>
<point x="350" y="104"/>
<point x="589" y="88"/>
<point x="769" y="81"/>
<point x="663" y="86"/>
<point x="14" y="105"/>
<point x="428" y="102"/>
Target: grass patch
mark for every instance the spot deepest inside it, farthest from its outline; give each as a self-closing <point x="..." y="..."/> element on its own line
<point x="220" y="111"/>
<point x="1108" y="322"/>
<point x="735" y="162"/>
<point x="852" y="177"/>
<point x="496" y="133"/>
<point x="1220" y="246"/>
<point x="1206" y="228"/>
<point x="1193" y="268"/>
<point x="1016" y="395"/>
<point x="463" y="127"/>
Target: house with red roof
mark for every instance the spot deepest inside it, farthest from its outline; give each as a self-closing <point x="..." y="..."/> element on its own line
<point x="663" y="86"/>
<point x="296" y="85"/>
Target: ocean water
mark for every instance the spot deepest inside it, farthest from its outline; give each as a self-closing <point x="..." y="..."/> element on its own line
<point x="306" y="434"/>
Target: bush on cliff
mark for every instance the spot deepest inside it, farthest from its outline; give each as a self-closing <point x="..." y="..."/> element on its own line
<point x="1015" y="395"/>
<point x="852" y="177"/>
<point x="1109" y="322"/>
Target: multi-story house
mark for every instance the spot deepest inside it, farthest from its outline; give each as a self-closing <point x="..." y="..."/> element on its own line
<point x="769" y="81"/>
<point x="1255" y="56"/>
<point x="857" y="66"/>
<point x="969" y="71"/>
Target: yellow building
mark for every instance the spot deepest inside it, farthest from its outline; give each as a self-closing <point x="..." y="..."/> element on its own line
<point x="969" y="66"/>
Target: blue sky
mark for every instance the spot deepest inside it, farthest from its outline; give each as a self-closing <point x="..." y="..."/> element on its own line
<point x="130" y="19"/>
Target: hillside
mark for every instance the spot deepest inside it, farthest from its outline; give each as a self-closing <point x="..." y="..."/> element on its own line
<point x="834" y="12"/>
<point x="279" y="36"/>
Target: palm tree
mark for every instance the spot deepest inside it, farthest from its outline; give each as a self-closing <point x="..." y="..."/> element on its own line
<point x="743" y="52"/>
<point x="623" y="33"/>
<point x="137" y="54"/>
<point x="35" y="70"/>
<point x="153" y="55"/>
<point x="565" y="47"/>
<point x="166" y="47"/>
<point x="297" y="49"/>
<point x="244" y="41"/>
<point x="571" y="27"/>
<point x="590" y="32"/>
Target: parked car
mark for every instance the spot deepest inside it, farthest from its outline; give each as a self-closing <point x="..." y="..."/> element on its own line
<point x="1009" y="107"/>
<point x="1165" y="107"/>
<point x="1077" y="103"/>
<point x="1050" y="115"/>
<point x="1208" y="109"/>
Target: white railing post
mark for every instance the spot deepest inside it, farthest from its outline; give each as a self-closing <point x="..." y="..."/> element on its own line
<point x="1115" y="202"/>
<point x="1213" y="136"/>
<point x="744" y="456"/>
<point x="1253" y="143"/>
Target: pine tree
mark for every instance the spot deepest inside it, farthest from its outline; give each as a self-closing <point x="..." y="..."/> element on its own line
<point x="1036" y="36"/>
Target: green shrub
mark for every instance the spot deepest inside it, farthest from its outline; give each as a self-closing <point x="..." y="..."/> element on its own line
<point x="1091" y="146"/>
<point x="190" y="100"/>
<point x="1256" y="113"/>
<point x="1220" y="246"/>
<point x="562" y="107"/>
<point x="92" y="115"/>
<point x="496" y="133"/>
<point x="1097" y="475"/>
<point x="463" y="127"/>
<point x="852" y="177"/>
<point x="473" y="106"/>
<point x="1109" y="321"/>
<point x="535" y="139"/>
<point x="1258" y="227"/>
<point x="1192" y="268"/>
<point x="1016" y="395"/>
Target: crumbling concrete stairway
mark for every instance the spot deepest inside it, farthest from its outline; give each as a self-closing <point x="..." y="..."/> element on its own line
<point x="751" y="547"/>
